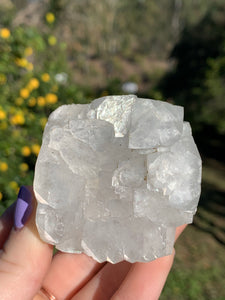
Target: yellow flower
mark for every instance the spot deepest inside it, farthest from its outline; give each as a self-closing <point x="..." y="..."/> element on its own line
<point x="35" y="149"/>
<point x="43" y="122"/>
<point x="24" y="167"/>
<point x="41" y="101"/>
<point x="1" y="196"/>
<point x="19" y="101"/>
<point x="17" y="119"/>
<point x="24" y="93"/>
<point x="21" y="62"/>
<point x="32" y="102"/>
<point x="51" y="98"/>
<point x="52" y="40"/>
<point x="45" y="77"/>
<point x="34" y="83"/>
<point x="50" y="17"/>
<point x="3" y="166"/>
<point x="26" y="151"/>
<point x="13" y="185"/>
<point x="28" y="51"/>
<point x="5" y="33"/>
<point x="2" y="79"/>
<point x="2" y="114"/>
<point x="30" y="66"/>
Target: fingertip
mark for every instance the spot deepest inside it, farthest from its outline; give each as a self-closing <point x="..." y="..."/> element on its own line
<point x="23" y="208"/>
<point x="179" y="230"/>
<point x="146" y="280"/>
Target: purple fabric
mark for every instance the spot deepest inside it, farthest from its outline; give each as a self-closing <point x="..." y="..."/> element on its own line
<point x="23" y="207"/>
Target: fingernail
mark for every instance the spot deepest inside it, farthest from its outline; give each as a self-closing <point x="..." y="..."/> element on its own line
<point x="23" y="207"/>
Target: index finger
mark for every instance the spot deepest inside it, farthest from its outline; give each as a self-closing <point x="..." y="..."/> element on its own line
<point x="24" y="260"/>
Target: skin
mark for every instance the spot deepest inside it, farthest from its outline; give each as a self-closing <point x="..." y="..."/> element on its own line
<point x="26" y="264"/>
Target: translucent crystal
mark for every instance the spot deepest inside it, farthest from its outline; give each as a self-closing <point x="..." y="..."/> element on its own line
<point x="114" y="178"/>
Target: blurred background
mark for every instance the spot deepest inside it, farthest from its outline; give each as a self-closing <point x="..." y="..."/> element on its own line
<point x="54" y="52"/>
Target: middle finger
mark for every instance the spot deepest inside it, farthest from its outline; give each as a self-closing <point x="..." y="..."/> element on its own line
<point x="69" y="273"/>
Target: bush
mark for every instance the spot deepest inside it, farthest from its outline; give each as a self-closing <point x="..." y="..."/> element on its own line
<point x="197" y="80"/>
<point x="34" y="80"/>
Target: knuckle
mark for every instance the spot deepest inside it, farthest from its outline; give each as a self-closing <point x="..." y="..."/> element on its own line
<point x="8" y="265"/>
<point x="13" y="270"/>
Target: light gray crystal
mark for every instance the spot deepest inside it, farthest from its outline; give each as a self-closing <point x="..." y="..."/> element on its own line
<point x="114" y="178"/>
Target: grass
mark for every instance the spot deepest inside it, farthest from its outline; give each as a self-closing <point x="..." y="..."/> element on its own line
<point x="198" y="272"/>
<point x="199" y="268"/>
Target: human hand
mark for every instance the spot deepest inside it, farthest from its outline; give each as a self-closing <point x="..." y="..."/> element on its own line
<point x="27" y="265"/>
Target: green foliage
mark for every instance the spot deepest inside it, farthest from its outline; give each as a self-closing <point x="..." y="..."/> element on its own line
<point x="106" y="28"/>
<point x="195" y="283"/>
<point x="33" y="82"/>
<point x="214" y="112"/>
<point x="197" y="81"/>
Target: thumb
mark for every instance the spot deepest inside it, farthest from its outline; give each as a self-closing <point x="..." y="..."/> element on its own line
<point x="24" y="258"/>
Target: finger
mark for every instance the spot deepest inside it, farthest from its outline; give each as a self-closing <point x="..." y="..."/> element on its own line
<point x="24" y="258"/>
<point x="179" y="230"/>
<point x="80" y="268"/>
<point x="68" y="273"/>
<point x="6" y="224"/>
<point x="104" y="284"/>
<point x="145" y="280"/>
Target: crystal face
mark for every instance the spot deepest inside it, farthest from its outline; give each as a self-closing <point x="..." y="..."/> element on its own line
<point x="115" y="177"/>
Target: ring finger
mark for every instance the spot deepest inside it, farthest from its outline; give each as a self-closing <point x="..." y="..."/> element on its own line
<point x="68" y="274"/>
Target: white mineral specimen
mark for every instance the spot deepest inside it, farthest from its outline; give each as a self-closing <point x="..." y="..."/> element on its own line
<point x="115" y="177"/>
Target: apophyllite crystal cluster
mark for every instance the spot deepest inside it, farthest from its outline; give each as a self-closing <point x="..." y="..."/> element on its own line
<point x="115" y="177"/>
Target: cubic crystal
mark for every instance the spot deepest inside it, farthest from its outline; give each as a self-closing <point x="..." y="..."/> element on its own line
<point x="114" y="178"/>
